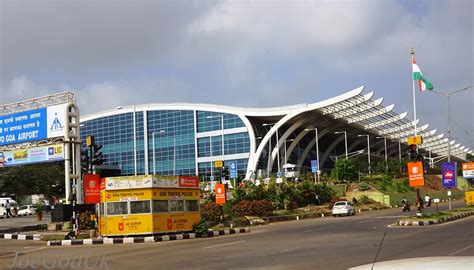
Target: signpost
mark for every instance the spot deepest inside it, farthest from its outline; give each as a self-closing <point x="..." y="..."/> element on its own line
<point x="468" y="170"/>
<point x="233" y="171"/>
<point x="314" y="168"/>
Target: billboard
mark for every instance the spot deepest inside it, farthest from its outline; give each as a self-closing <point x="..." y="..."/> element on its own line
<point x="91" y="188"/>
<point x="33" y="125"/>
<point x="415" y="174"/>
<point x="37" y="154"/>
<point x="448" y="174"/>
<point x="468" y="170"/>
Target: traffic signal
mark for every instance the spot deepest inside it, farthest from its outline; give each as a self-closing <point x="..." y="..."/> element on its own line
<point x="97" y="155"/>
<point x="224" y="173"/>
<point x="85" y="160"/>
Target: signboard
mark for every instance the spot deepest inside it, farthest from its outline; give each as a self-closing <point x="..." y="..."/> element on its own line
<point x="220" y="194"/>
<point x="436" y="200"/>
<point x="218" y="164"/>
<point x="233" y="170"/>
<point x="92" y="188"/>
<point x="189" y="181"/>
<point x="448" y="173"/>
<point x="33" y="125"/>
<point x="314" y="166"/>
<point x="415" y="140"/>
<point x="415" y="174"/>
<point x="468" y="170"/>
<point x="45" y="153"/>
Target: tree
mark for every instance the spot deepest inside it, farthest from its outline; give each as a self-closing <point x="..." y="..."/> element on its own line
<point x="344" y="170"/>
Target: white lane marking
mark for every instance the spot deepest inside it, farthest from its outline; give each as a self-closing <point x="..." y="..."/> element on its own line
<point x="314" y="230"/>
<point x="287" y="250"/>
<point x="225" y="244"/>
<point x="31" y="250"/>
<point x="461" y="250"/>
<point x="368" y="220"/>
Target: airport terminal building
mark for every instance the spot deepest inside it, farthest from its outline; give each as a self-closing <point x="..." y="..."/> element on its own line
<point x="186" y="138"/>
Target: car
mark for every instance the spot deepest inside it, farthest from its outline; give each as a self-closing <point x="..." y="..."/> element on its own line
<point x="26" y="210"/>
<point x="343" y="208"/>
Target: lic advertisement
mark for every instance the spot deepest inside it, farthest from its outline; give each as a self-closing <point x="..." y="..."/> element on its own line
<point x="46" y="153"/>
<point x="33" y="125"/>
<point x="448" y="172"/>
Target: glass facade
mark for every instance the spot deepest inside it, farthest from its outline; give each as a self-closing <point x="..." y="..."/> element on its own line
<point x="174" y="142"/>
<point x="173" y="150"/>
<point x="206" y="169"/>
<point x="116" y="135"/>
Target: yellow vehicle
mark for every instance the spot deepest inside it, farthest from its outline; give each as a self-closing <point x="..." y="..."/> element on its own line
<point x="469" y="198"/>
<point x="150" y="204"/>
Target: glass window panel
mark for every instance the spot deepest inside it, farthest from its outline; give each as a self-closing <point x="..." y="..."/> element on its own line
<point x="176" y="205"/>
<point x="117" y="208"/>
<point x="139" y="207"/>
<point x="192" y="206"/>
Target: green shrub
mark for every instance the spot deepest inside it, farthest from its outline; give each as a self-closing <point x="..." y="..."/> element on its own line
<point x="211" y="212"/>
<point x="344" y="170"/>
<point x="363" y="186"/>
<point x="200" y="227"/>
<point x="364" y="199"/>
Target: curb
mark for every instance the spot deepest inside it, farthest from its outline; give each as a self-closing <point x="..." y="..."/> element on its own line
<point x="12" y="236"/>
<point x="37" y="227"/>
<point x="431" y="222"/>
<point x="147" y="239"/>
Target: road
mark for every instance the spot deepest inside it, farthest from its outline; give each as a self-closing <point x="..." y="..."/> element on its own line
<point x="323" y="243"/>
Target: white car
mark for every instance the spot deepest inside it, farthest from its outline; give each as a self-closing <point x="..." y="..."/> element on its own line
<point x="343" y="208"/>
<point x="26" y="210"/>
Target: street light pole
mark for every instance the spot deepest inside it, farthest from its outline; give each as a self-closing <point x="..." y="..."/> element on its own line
<point x="447" y="95"/>
<point x="368" y="150"/>
<point x="345" y="139"/>
<point x="385" y="145"/>
<point x="317" y="152"/>
<point x="222" y="134"/>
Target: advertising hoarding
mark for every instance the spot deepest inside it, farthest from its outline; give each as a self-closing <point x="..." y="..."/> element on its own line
<point x="91" y="188"/>
<point x="220" y="194"/>
<point x="33" y="125"/>
<point x="448" y="174"/>
<point x="37" y="154"/>
<point x="415" y="174"/>
<point x="468" y="170"/>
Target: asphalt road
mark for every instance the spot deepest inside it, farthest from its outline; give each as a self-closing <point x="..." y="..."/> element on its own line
<point x="323" y="243"/>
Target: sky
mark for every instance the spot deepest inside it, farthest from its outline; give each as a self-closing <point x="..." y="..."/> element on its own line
<point x="241" y="53"/>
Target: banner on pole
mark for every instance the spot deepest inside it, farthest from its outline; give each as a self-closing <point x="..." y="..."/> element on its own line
<point x="415" y="174"/>
<point x="448" y="172"/>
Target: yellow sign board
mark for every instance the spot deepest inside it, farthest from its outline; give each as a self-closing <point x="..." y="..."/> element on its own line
<point x="129" y="224"/>
<point x="415" y="140"/>
<point x="218" y="164"/>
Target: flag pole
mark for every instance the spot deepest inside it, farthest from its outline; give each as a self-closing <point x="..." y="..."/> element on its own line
<point x="414" y="97"/>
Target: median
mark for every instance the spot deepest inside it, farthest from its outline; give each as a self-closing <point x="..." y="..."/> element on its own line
<point x="436" y="217"/>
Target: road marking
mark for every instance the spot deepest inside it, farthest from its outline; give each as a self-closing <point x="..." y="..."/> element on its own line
<point x="461" y="250"/>
<point x="364" y="221"/>
<point x="314" y="230"/>
<point x="287" y="250"/>
<point x="225" y="244"/>
<point x="35" y="249"/>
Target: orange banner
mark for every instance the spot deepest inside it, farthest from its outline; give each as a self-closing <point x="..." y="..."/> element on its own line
<point x="415" y="174"/>
<point x="220" y="194"/>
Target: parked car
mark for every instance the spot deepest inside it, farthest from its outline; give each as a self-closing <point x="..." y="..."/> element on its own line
<point x="26" y="210"/>
<point x="343" y="208"/>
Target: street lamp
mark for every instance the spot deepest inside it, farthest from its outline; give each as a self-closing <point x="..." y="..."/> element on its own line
<point x="222" y="128"/>
<point x="447" y="95"/>
<point x="278" y="148"/>
<point x="317" y="150"/>
<point x="385" y="144"/>
<point x="345" y="139"/>
<point x="153" y="146"/>
<point x="290" y="140"/>
<point x="368" y="149"/>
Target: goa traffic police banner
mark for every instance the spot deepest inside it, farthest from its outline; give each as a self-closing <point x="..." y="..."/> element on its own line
<point x="415" y="174"/>
<point x="448" y="173"/>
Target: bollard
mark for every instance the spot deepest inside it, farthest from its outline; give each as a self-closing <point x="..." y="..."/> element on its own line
<point x="359" y="210"/>
<point x="297" y="218"/>
<point x="92" y="234"/>
<point x="322" y="215"/>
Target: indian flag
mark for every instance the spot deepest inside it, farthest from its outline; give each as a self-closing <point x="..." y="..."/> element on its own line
<point x="422" y="81"/>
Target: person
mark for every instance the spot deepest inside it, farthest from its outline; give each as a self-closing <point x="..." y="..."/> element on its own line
<point x="8" y="207"/>
<point x="318" y="202"/>
<point x="419" y="203"/>
<point x="404" y="201"/>
<point x="427" y="200"/>
<point x="48" y="207"/>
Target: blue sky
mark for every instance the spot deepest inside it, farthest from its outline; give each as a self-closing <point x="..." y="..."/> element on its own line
<point x="240" y="53"/>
